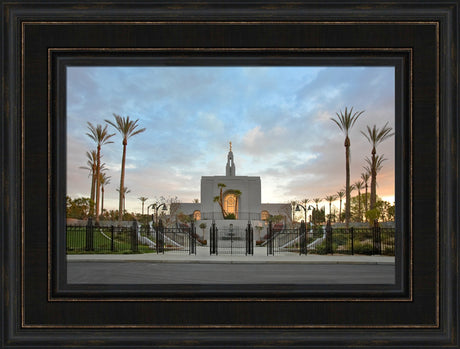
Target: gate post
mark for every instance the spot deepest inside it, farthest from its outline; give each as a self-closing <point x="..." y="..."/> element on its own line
<point x="329" y="237"/>
<point x="303" y="239"/>
<point x="134" y="245"/>
<point x="89" y="235"/>
<point x="377" y="239"/>
<point x="159" y="237"/>
<point x="213" y="239"/>
<point x="192" y="241"/>
<point x="249" y="239"/>
<point x="270" y="239"/>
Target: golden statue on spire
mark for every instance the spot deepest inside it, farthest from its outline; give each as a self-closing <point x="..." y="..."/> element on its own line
<point x="230" y="146"/>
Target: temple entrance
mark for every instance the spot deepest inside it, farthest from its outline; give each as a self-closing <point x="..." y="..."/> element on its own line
<point x="231" y="240"/>
<point x="231" y="204"/>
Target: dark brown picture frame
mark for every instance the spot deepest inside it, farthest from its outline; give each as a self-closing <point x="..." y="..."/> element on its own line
<point x="39" y="37"/>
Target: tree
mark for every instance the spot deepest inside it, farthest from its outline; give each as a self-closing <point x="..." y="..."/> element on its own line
<point x="203" y="227"/>
<point x="305" y="202"/>
<point x="329" y="199"/>
<point x="127" y="129"/>
<point x="365" y="177"/>
<point x="293" y="207"/>
<point x="220" y="199"/>
<point x="91" y="166"/>
<point x="78" y="208"/>
<point x="375" y="136"/>
<point x="316" y="201"/>
<point x="237" y="194"/>
<point x="359" y="185"/>
<point x="101" y="136"/>
<point x="123" y="197"/>
<point x="105" y="180"/>
<point x="345" y="122"/>
<point x="143" y="200"/>
<point x="374" y="165"/>
<point x="340" y="195"/>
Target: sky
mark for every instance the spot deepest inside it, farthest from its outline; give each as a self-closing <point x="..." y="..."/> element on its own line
<point x="277" y="118"/>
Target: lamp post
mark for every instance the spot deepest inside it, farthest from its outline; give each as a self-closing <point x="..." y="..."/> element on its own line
<point x="156" y="207"/>
<point x="309" y="207"/>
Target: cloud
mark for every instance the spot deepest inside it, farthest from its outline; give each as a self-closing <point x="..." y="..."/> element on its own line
<point x="277" y="118"/>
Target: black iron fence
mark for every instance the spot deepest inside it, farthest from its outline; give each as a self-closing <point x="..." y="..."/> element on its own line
<point x="328" y="240"/>
<point x="94" y="239"/>
<point x="231" y="240"/>
<point x="133" y="239"/>
<point x="286" y="240"/>
<point x="182" y="239"/>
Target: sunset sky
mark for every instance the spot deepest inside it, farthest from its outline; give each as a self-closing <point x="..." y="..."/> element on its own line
<point x="277" y="118"/>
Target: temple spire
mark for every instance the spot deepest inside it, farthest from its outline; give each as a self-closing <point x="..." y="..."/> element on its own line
<point x="230" y="170"/>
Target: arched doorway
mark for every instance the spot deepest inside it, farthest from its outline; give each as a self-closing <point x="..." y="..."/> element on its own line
<point x="231" y="204"/>
<point x="265" y="215"/>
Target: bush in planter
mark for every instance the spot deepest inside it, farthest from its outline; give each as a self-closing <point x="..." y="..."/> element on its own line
<point x="230" y="216"/>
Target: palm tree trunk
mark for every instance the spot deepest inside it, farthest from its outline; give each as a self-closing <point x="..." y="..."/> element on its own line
<point x="373" y="180"/>
<point x="122" y="183"/>
<point x="359" y="206"/>
<point x="98" y="182"/>
<point x="93" y="187"/>
<point x="365" y="201"/>
<point x="102" y="199"/>
<point x="347" y="182"/>
<point x="340" y="211"/>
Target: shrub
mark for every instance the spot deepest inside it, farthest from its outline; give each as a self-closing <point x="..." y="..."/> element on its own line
<point x="321" y="249"/>
<point x="360" y="248"/>
<point x="230" y="216"/>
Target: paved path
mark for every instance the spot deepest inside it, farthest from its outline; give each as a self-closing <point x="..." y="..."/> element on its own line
<point x="176" y="268"/>
<point x="220" y="273"/>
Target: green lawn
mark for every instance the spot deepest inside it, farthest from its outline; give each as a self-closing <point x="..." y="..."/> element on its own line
<point x="76" y="242"/>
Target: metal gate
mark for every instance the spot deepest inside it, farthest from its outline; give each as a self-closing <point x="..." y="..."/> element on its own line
<point x="287" y="240"/>
<point x="231" y="240"/>
<point x="179" y="239"/>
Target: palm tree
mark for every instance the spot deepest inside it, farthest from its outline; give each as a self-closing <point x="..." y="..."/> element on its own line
<point x="316" y="201"/>
<point x="105" y="180"/>
<point x="305" y="202"/>
<point x="293" y="206"/>
<point x="123" y="197"/>
<point x="378" y="164"/>
<point x="345" y="122"/>
<point x="365" y="177"/>
<point x="220" y="199"/>
<point x="91" y="166"/>
<point x="143" y="200"/>
<point x="127" y="128"/>
<point x="330" y="198"/>
<point x="340" y="195"/>
<point x="359" y="185"/>
<point x="100" y="136"/>
<point x="375" y="136"/>
<point x="237" y="194"/>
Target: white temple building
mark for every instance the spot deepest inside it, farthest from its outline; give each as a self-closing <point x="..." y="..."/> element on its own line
<point x="241" y="196"/>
